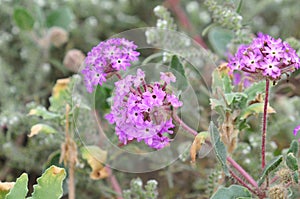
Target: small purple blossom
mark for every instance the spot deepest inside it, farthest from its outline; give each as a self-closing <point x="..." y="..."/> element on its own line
<point x="107" y="58"/>
<point x="266" y="56"/>
<point x="296" y="130"/>
<point x="143" y="111"/>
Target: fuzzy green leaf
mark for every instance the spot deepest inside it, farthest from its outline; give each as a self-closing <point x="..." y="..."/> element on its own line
<point x="178" y="67"/>
<point x="23" y="19"/>
<point x="101" y="95"/>
<point x="292" y="162"/>
<point x="255" y="109"/>
<point x="219" y="147"/>
<point x="294" y="147"/>
<point x="20" y="189"/>
<point x="49" y="184"/>
<point x="234" y="191"/>
<point x="219" y="38"/>
<point x="269" y="168"/>
<point x="231" y="97"/>
<point x="61" y="17"/>
<point x="254" y="89"/>
<point x="221" y="80"/>
<point x="44" y="113"/>
<point x="296" y="177"/>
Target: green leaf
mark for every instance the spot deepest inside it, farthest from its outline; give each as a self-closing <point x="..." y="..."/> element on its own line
<point x="269" y="168"/>
<point x="255" y="89"/>
<point x="219" y="147"/>
<point x="294" y="147"/>
<point x="49" y="184"/>
<point x="219" y="38"/>
<point x="255" y="108"/>
<point x="23" y="18"/>
<point x="178" y="67"/>
<point x="292" y="162"/>
<point x="221" y="80"/>
<point x="41" y="128"/>
<point x="20" y="189"/>
<point x="44" y="113"/>
<point x="296" y="176"/>
<point x="235" y="96"/>
<point x="232" y="192"/>
<point x="101" y="95"/>
<point x="61" y="17"/>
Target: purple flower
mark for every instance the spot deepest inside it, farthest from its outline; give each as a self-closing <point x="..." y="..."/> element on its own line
<point x="107" y="58"/>
<point x="296" y="130"/>
<point x="142" y="111"/>
<point x="265" y="56"/>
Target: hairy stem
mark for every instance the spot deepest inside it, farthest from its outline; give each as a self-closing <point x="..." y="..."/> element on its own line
<point x="115" y="184"/>
<point x="174" y="5"/>
<point x="264" y="128"/>
<point x="242" y="172"/>
<point x="241" y="182"/>
<point x="183" y="125"/>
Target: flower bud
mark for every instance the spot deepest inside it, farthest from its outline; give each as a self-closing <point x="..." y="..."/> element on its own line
<point x="73" y="60"/>
<point x="58" y="36"/>
<point x="284" y="175"/>
<point x="278" y="192"/>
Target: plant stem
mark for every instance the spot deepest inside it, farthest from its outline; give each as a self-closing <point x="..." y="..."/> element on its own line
<point x="183" y="125"/>
<point x="264" y="128"/>
<point x="174" y="5"/>
<point x="242" y="172"/>
<point x="115" y="184"/>
<point x="242" y="182"/>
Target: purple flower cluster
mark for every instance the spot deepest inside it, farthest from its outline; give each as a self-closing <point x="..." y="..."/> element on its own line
<point x="106" y="58"/>
<point x="143" y="111"/>
<point x="266" y="56"/>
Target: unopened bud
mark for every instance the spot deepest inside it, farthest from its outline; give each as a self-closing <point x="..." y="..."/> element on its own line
<point x="278" y="192"/>
<point x="73" y="60"/>
<point x="58" y="36"/>
<point x="284" y="175"/>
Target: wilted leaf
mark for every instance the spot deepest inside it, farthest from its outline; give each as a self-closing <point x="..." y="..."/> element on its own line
<point x="44" y="128"/>
<point x="23" y="18"/>
<point x="60" y="95"/>
<point x="270" y="167"/>
<point x="197" y="144"/>
<point x="5" y="187"/>
<point x="234" y="191"/>
<point x="49" y="184"/>
<point x="254" y="90"/>
<point x="255" y="109"/>
<point x="19" y="190"/>
<point x="95" y="158"/>
<point x="219" y="147"/>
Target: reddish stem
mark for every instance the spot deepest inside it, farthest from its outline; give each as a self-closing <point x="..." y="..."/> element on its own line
<point x="115" y="184"/>
<point x="264" y="129"/>
<point x="183" y="125"/>
<point x="239" y="180"/>
<point x="174" y="5"/>
<point x="242" y="172"/>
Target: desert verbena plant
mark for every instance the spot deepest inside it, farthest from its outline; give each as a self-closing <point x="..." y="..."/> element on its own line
<point x="145" y="112"/>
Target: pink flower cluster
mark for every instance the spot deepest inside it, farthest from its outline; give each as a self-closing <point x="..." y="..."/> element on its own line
<point x="106" y="58"/>
<point x="266" y="56"/>
<point x="142" y="111"/>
